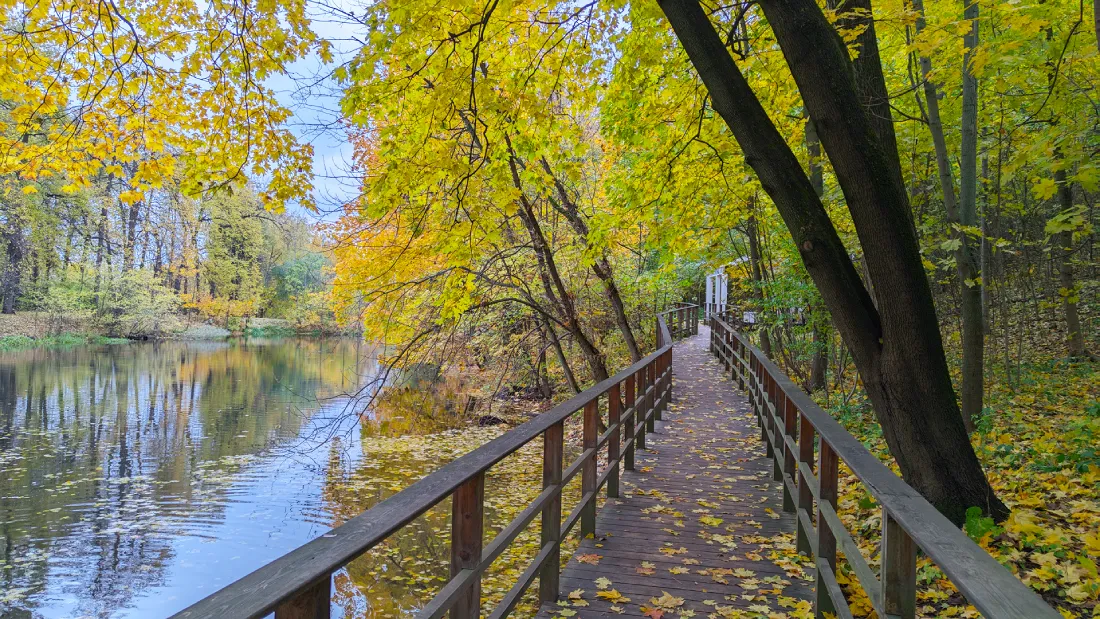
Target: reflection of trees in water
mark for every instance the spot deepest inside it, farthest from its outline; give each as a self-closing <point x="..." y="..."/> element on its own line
<point x="108" y="452"/>
<point x="404" y="572"/>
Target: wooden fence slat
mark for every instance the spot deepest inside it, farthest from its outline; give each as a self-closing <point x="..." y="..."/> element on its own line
<point x="588" y="469"/>
<point x="467" y="522"/>
<point x="313" y="602"/>
<point x="629" y="423"/>
<point x="614" y="410"/>
<point x="899" y="569"/>
<point x="553" y="447"/>
<point x="826" y="540"/>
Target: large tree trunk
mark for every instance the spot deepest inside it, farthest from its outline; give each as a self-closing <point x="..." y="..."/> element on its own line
<point x="897" y="348"/>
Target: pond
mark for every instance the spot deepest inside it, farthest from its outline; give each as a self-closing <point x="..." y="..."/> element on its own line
<point x="139" y="478"/>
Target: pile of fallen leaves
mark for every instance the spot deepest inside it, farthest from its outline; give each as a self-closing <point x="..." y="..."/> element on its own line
<point x="1039" y="442"/>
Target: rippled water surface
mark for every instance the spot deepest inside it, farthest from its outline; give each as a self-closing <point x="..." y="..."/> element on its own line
<point x="137" y="479"/>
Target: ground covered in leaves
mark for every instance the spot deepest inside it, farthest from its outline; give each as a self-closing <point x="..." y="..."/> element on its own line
<point x="1039" y="441"/>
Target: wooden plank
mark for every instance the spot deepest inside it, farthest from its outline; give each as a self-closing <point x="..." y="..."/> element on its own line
<point x="628" y="423"/>
<point x="614" y="407"/>
<point x="467" y="535"/>
<point x="588" y="469"/>
<point x="314" y="602"/>
<point x="899" y="570"/>
<point x="826" y="540"/>
<point x="553" y="445"/>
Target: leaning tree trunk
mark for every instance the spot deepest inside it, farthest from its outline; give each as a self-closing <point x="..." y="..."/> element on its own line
<point x="897" y="348"/>
<point x="601" y="266"/>
<point x="553" y="287"/>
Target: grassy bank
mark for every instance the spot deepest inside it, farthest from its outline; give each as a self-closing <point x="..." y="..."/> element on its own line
<point x="23" y="342"/>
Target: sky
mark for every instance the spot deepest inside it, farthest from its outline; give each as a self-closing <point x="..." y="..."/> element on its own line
<point x="310" y="93"/>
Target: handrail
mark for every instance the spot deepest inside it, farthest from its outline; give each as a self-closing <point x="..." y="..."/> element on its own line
<point x="298" y="584"/>
<point x="789" y="420"/>
<point x="682" y="319"/>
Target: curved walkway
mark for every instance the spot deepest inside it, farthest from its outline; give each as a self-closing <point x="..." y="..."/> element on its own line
<point x="699" y="529"/>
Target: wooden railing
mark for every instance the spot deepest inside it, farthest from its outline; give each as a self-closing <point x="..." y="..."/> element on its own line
<point x="298" y="584"/>
<point x="682" y="320"/>
<point x="789" y="422"/>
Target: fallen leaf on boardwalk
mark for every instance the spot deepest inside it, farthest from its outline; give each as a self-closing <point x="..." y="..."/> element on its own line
<point x="678" y="570"/>
<point x="653" y="613"/>
<point x="612" y="596"/>
<point x="674" y="551"/>
<point x="667" y="601"/>
<point x="687" y="614"/>
<point x="711" y="521"/>
<point x="646" y="568"/>
<point x="618" y="609"/>
<point x="602" y="583"/>
<point x="576" y="594"/>
<point x="743" y="573"/>
<point x="591" y="559"/>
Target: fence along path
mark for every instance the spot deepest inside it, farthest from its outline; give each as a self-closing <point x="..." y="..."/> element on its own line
<point x="700" y="518"/>
<point x="793" y="428"/>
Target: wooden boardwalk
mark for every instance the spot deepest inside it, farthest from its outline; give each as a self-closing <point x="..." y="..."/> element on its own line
<point x="700" y="518"/>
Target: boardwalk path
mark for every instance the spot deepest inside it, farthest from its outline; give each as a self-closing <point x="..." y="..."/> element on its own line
<point x="700" y="519"/>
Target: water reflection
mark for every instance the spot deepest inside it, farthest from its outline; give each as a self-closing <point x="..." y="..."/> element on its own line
<point x="140" y="478"/>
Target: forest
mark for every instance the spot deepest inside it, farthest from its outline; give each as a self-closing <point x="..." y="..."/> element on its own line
<point x="902" y="194"/>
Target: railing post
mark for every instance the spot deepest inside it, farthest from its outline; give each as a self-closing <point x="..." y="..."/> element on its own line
<point x="899" y="569"/>
<point x="805" y="494"/>
<point x="313" y="602"/>
<point x="659" y="392"/>
<point x="826" y="540"/>
<point x="765" y="413"/>
<point x="614" y="412"/>
<point x="553" y="444"/>
<point x="743" y="368"/>
<point x="790" y="468"/>
<point x="651" y="395"/>
<point x="629" y="423"/>
<point x="777" y="430"/>
<point x="642" y="409"/>
<point x="467" y="511"/>
<point x="588" y="469"/>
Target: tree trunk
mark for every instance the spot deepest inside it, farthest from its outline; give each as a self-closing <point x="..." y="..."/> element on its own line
<point x="9" y="280"/>
<point x="973" y="327"/>
<point x="553" y="287"/>
<point x="969" y="290"/>
<point x="756" y="262"/>
<point x="1063" y="249"/>
<point x="562" y="359"/>
<point x="601" y="266"/>
<point x="897" y="348"/>
<point x="820" y="359"/>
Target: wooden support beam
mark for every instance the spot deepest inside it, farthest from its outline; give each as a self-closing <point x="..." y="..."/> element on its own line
<point x="467" y="522"/>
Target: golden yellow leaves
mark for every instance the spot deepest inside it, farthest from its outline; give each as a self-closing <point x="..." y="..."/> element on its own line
<point x="711" y="521"/>
<point x="646" y="569"/>
<point x="613" y="596"/>
<point x="591" y="559"/>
